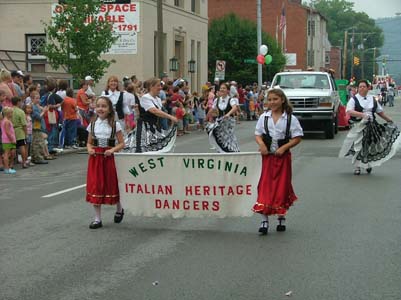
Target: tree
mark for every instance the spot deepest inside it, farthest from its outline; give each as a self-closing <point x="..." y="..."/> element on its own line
<point x="340" y="18"/>
<point x="233" y="39"/>
<point x="77" y="44"/>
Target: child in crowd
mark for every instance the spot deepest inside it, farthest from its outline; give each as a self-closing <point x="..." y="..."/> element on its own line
<point x="2" y="99"/>
<point x="105" y="137"/>
<point x="28" y="116"/>
<point x="179" y="113"/>
<point x="277" y="130"/>
<point x="70" y="109"/>
<point x="9" y="141"/>
<point x="39" y="149"/>
<point x="202" y="113"/>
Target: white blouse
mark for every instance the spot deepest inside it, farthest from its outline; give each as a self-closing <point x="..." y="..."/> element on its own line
<point x="366" y="103"/>
<point x="223" y="102"/>
<point x="277" y="131"/>
<point x="103" y="129"/>
<point x="148" y="101"/>
<point x="113" y="96"/>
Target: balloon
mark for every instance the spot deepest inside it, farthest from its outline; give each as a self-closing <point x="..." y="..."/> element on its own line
<point x="268" y="59"/>
<point x="263" y="49"/>
<point x="260" y="59"/>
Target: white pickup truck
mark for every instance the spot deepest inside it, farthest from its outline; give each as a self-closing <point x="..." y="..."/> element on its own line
<point x="314" y="97"/>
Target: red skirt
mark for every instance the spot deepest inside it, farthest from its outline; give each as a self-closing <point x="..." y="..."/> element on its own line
<point x="101" y="181"/>
<point x="275" y="192"/>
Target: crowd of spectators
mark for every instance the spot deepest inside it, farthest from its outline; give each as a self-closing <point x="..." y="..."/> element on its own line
<point x="39" y="122"/>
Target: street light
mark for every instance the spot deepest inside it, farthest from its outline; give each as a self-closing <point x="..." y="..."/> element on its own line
<point x="191" y="66"/>
<point x="173" y="63"/>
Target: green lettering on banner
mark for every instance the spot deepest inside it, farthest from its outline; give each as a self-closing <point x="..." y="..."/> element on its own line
<point x="134" y="172"/>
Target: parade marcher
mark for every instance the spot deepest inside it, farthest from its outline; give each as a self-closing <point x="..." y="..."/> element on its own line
<point x="149" y="135"/>
<point x="221" y="132"/>
<point x="105" y="138"/>
<point x="277" y="131"/>
<point x="121" y="103"/>
<point x="368" y="143"/>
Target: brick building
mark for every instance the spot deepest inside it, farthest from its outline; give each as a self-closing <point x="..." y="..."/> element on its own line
<point x="306" y="43"/>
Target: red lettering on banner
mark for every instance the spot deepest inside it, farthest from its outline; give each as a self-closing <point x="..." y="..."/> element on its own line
<point x="194" y="205"/>
<point x="217" y="190"/>
<point x="216" y="205"/>
<point x="166" y="205"/>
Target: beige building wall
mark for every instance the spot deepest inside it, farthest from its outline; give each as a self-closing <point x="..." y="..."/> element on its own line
<point x="185" y="38"/>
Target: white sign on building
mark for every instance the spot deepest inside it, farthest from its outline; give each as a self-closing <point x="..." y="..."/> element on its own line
<point x="126" y="24"/>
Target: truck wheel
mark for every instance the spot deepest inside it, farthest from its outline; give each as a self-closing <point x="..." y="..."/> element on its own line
<point x="330" y="129"/>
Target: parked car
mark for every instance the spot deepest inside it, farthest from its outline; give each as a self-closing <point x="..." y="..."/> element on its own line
<point x="315" y="99"/>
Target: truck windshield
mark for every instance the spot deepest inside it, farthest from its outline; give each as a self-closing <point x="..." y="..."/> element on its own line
<point x="303" y="81"/>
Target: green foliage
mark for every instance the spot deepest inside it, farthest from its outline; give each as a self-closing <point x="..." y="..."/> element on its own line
<point x="233" y="39"/>
<point x="340" y="18"/>
<point x="76" y="44"/>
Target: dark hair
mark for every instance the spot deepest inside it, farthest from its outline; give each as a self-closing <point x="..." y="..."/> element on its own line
<point x="287" y="107"/>
<point x="110" y="116"/>
<point x="69" y="92"/>
<point x="364" y="81"/>
<point x="15" y="100"/>
<point x="82" y="83"/>
<point x="63" y="84"/>
<point x="226" y="85"/>
<point x="51" y="84"/>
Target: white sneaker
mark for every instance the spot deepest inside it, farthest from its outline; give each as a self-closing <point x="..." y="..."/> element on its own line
<point x="75" y="147"/>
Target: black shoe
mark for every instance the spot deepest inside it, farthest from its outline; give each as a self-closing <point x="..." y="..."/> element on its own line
<point x="95" y="225"/>
<point x="40" y="162"/>
<point x="369" y="170"/>
<point x="281" y="227"/>
<point x="118" y="216"/>
<point x="357" y="172"/>
<point x="264" y="227"/>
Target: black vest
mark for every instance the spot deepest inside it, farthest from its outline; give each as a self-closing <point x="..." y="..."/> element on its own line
<point x="111" y="141"/>
<point x="119" y="105"/>
<point x="223" y="112"/>
<point x="359" y="108"/>
<point x="267" y="139"/>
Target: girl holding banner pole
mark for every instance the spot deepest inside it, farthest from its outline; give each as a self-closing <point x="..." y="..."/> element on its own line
<point x="105" y="137"/>
<point x="221" y="132"/>
<point x="277" y="131"/>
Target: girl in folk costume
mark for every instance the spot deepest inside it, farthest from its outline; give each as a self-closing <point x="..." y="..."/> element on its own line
<point x="105" y="137"/>
<point x="121" y="102"/>
<point x="277" y="131"/>
<point x="221" y="133"/>
<point x="149" y="135"/>
<point x="368" y="143"/>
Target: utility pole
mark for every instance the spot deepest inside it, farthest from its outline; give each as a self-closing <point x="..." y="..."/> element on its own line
<point x="352" y="52"/>
<point x="374" y="61"/>
<point x="345" y="55"/>
<point x="160" y="54"/>
<point x="259" y="33"/>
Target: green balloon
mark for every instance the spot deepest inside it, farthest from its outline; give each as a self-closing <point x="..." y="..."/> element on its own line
<point x="268" y="59"/>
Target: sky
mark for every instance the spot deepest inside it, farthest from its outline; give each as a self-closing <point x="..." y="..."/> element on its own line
<point x="377" y="9"/>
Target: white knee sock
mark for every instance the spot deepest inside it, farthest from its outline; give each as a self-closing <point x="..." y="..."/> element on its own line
<point x="265" y="218"/>
<point x="97" y="213"/>
<point x="119" y="207"/>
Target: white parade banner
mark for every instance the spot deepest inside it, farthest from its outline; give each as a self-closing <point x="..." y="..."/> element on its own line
<point x="188" y="185"/>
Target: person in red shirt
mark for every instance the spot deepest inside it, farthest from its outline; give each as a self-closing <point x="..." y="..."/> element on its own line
<point x="70" y="109"/>
<point x="83" y="102"/>
<point x="179" y="114"/>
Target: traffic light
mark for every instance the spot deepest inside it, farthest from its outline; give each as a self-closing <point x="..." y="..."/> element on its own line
<point x="356" y="60"/>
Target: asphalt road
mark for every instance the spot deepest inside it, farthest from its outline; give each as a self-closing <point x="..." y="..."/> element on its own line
<point x="342" y="241"/>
